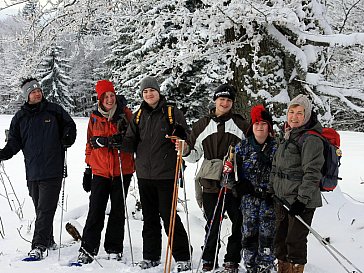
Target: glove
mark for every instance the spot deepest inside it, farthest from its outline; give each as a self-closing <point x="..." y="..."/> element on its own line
<point x="296" y="208"/>
<point x="87" y="178"/>
<point x="269" y="198"/>
<point x="115" y="141"/>
<point x="66" y="141"/>
<point x="228" y="167"/>
<point x="99" y="142"/>
<point x="179" y="132"/>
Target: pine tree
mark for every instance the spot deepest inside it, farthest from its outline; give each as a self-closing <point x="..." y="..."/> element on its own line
<point x="54" y="78"/>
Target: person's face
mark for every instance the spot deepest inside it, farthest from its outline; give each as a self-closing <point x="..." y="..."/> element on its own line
<point x="261" y="130"/>
<point x="223" y="105"/>
<point x="35" y="96"/>
<point x="296" y="116"/>
<point x="109" y="100"/>
<point x="151" y="96"/>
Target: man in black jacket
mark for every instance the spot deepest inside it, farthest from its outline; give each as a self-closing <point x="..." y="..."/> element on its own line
<point x="155" y="168"/>
<point x="43" y="131"/>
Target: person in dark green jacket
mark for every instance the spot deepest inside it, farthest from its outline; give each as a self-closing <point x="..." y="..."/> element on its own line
<point x="295" y="176"/>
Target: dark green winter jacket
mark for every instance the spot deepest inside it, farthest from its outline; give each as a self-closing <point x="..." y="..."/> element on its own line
<point x="296" y="169"/>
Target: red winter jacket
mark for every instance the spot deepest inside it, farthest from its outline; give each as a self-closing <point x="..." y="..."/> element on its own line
<point x="105" y="161"/>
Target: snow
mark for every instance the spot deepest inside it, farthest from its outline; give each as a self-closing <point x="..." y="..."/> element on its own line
<point x="341" y="218"/>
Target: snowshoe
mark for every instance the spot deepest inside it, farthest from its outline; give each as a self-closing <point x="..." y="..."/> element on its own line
<point x="36" y="254"/>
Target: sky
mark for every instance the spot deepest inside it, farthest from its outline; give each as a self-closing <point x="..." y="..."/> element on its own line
<point x="341" y="218"/>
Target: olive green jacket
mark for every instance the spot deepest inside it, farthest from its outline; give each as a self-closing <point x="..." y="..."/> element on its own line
<point x="296" y="168"/>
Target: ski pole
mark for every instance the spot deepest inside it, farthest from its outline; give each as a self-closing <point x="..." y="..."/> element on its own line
<point x="172" y="218"/>
<point x="62" y="201"/>
<point x="126" y="209"/>
<point x="186" y="211"/>
<point x="328" y="246"/>
<point x="220" y="224"/>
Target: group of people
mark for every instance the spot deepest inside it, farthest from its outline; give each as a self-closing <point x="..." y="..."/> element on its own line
<point x="245" y="172"/>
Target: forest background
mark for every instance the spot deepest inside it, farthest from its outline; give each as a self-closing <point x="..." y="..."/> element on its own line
<point x="270" y="50"/>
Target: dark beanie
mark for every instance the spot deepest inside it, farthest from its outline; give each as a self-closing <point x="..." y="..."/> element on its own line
<point x="259" y="113"/>
<point x="225" y="90"/>
<point x="149" y="82"/>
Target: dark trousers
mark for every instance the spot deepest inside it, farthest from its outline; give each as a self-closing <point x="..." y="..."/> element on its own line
<point x="232" y="207"/>
<point x="156" y="198"/>
<point x="45" y="196"/>
<point x="101" y="189"/>
<point x="290" y="242"/>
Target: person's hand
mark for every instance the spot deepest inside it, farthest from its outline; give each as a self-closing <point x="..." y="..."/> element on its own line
<point x="228" y="167"/>
<point x="297" y="208"/>
<point x="87" y="178"/>
<point x="178" y="146"/>
<point x="179" y="131"/>
<point x="115" y="141"/>
<point x="66" y="141"/>
<point x="99" y="142"/>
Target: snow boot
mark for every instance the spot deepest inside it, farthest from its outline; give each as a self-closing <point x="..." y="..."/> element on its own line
<point x="284" y="267"/>
<point x="115" y="256"/>
<point x="182" y="266"/>
<point x="84" y="258"/>
<point x="36" y="254"/>
<point x="145" y="264"/>
<point x="230" y="267"/>
<point x="208" y="266"/>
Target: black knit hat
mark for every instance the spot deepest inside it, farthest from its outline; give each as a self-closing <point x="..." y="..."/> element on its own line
<point x="225" y="90"/>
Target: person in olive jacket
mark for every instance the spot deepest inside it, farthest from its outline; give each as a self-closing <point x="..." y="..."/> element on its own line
<point x="295" y="176"/>
<point x="43" y="131"/>
<point x="155" y="169"/>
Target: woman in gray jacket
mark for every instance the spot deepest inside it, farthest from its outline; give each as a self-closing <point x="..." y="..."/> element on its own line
<point x="295" y="176"/>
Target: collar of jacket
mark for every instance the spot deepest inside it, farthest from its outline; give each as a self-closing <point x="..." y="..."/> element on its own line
<point x="35" y="108"/>
<point x="222" y="118"/>
<point x="162" y="102"/>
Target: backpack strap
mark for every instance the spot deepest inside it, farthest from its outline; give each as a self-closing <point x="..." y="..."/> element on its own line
<point x="137" y="117"/>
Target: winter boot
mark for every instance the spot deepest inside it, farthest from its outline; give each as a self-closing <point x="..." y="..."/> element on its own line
<point x="182" y="266"/>
<point x="36" y="253"/>
<point x="84" y="258"/>
<point x="145" y="264"/>
<point x="208" y="266"/>
<point x="297" y="268"/>
<point x="115" y="256"/>
<point x="265" y="268"/>
<point x="231" y="267"/>
<point x="284" y="267"/>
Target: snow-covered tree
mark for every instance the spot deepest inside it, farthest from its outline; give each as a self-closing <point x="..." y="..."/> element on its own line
<point x="54" y="78"/>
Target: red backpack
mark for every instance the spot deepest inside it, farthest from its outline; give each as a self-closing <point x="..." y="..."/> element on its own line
<point x="332" y="154"/>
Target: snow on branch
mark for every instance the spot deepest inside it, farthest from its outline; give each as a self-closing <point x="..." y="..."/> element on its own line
<point x="330" y="40"/>
<point x="287" y="46"/>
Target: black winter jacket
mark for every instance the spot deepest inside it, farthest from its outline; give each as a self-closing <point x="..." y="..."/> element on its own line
<point x="40" y="131"/>
<point x="155" y="154"/>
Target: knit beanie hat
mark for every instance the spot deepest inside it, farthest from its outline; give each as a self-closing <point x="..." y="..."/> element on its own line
<point x="259" y="113"/>
<point x="103" y="86"/>
<point x="29" y="87"/>
<point x="225" y="90"/>
<point x="149" y="82"/>
<point x="304" y="101"/>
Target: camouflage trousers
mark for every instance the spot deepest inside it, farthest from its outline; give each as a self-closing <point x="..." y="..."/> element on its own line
<point x="257" y="231"/>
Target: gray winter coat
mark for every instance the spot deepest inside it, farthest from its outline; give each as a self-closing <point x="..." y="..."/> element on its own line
<point x="296" y="170"/>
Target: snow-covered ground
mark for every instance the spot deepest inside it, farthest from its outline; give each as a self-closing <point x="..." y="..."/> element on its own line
<point x="341" y="218"/>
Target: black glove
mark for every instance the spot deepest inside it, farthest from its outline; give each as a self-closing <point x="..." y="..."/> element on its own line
<point x="269" y="198"/>
<point x="99" y="142"/>
<point x="179" y="131"/>
<point x="297" y="208"/>
<point x="115" y="141"/>
<point x="67" y="141"/>
<point x="87" y="178"/>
